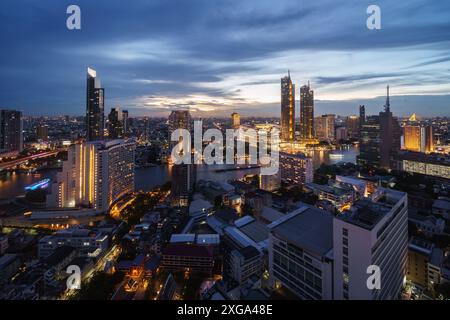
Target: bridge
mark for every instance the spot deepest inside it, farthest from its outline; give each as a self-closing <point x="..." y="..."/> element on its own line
<point x="13" y="163"/>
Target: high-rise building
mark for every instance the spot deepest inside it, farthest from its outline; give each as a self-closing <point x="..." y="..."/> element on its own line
<point x="287" y="109"/>
<point x="301" y="253"/>
<point x="324" y="127"/>
<point x="95" y="175"/>
<point x="235" y="120"/>
<point x="369" y="145"/>
<point x="11" y="131"/>
<point x="379" y="139"/>
<point x="115" y="128"/>
<point x="42" y="132"/>
<point x="125" y="122"/>
<point x="270" y="182"/>
<point x="352" y="123"/>
<point x="296" y="168"/>
<point x="183" y="175"/>
<point x="372" y="235"/>
<point x="362" y="115"/>
<point x="306" y="112"/>
<point x="95" y="105"/>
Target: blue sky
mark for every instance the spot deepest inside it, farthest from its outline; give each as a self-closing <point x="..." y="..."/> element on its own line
<point x="216" y="57"/>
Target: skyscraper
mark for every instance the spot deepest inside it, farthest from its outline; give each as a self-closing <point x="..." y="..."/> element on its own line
<point x="42" y="132"/>
<point x="183" y="175"/>
<point x="418" y="138"/>
<point x="125" y="122"/>
<point x="114" y="124"/>
<point x="352" y="123"/>
<point x="296" y="168"/>
<point x="94" y="107"/>
<point x="306" y="112"/>
<point x="324" y="127"/>
<point x="379" y="139"/>
<point x="95" y="174"/>
<point x="362" y="115"/>
<point x="287" y="109"/>
<point x="11" y="131"/>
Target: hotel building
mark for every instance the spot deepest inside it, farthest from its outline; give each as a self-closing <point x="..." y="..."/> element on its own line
<point x="287" y="109"/>
<point x="95" y="175"/>
<point x="296" y="168"/>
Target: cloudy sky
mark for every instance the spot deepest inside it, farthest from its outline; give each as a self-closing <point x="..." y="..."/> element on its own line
<point x="216" y="57"/>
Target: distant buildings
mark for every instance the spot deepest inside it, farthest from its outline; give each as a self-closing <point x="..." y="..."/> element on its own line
<point x="324" y="127"/>
<point x="342" y="134"/>
<point x="11" y="131"/>
<point x="42" y="132"/>
<point x="287" y="109"/>
<point x="235" y="120"/>
<point x="95" y="105"/>
<point x="296" y="168"/>
<point x="306" y="112"/>
<point x="270" y="182"/>
<point x="95" y="175"/>
<point x="352" y="123"/>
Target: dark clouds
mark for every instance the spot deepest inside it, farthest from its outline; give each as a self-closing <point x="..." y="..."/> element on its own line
<point x="174" y="50"/>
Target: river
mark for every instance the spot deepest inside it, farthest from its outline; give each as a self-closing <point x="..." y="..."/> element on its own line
<point x="13" y="184"/>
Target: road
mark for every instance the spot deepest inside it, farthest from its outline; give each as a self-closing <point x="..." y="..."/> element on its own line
<point x="13" y="163"/>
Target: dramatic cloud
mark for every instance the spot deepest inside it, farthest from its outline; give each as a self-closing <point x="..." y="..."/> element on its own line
<point x="215" y="57"/>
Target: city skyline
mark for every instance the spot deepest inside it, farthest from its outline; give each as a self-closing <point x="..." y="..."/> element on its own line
<point x="219" y="59"/>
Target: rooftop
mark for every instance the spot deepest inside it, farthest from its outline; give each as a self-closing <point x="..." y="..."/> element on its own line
<point x="308" y="228"/>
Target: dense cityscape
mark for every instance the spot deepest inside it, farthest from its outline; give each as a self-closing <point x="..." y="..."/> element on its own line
<point x="101" y="192"/>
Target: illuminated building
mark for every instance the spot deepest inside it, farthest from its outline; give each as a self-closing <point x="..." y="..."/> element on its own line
<point x="287" y="109"/>
<point x="427" y="164"/>
<point x="235" y="120"/>
<point x="296" y="168"/>
<point x="352" y="124"/>
<point x="95" y="175"/>
<point x="270" y="182"/>
<point x="339" y="194"/>
<point x="94" y="107"/>
<point x="125" y="122"/>
<point x="306" y="112"/>
<point x="324" y="127"/>
<point x="11" y="131"/>
<point x="418" y="138"/>
<point x="373" y="232"/>
<point x="412" y="138"/>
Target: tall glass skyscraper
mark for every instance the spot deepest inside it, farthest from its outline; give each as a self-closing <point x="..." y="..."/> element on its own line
<point x="287" y="109"/>
<point x="95" y="106"/>
<point x="306" y="112"/>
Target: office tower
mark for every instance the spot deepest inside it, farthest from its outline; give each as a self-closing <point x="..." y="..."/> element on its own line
<point x="11" y="131"/>
<point x="379" y="139"/>
<point x="95" y="174"/>
<point x="389" y="135"/>
<point x="306" y="112"/>
<point x="287" y="109"/>
<point x="324" y="127"/>
<point x="374" y="232"/>
<point x="296" y="168"/>
<point x="42" y="132"/>
<point x="362" y="115"/>
<point x="369" y="143"/>
<point x="341" y="134"/>
<point x="115" y="128"/>
<point x="352" y="124"/>
<point x="235" y="120"/>
<point x="94" y="107"/>
<point x="301" y="253"/>
<point x="125" y="122"/>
